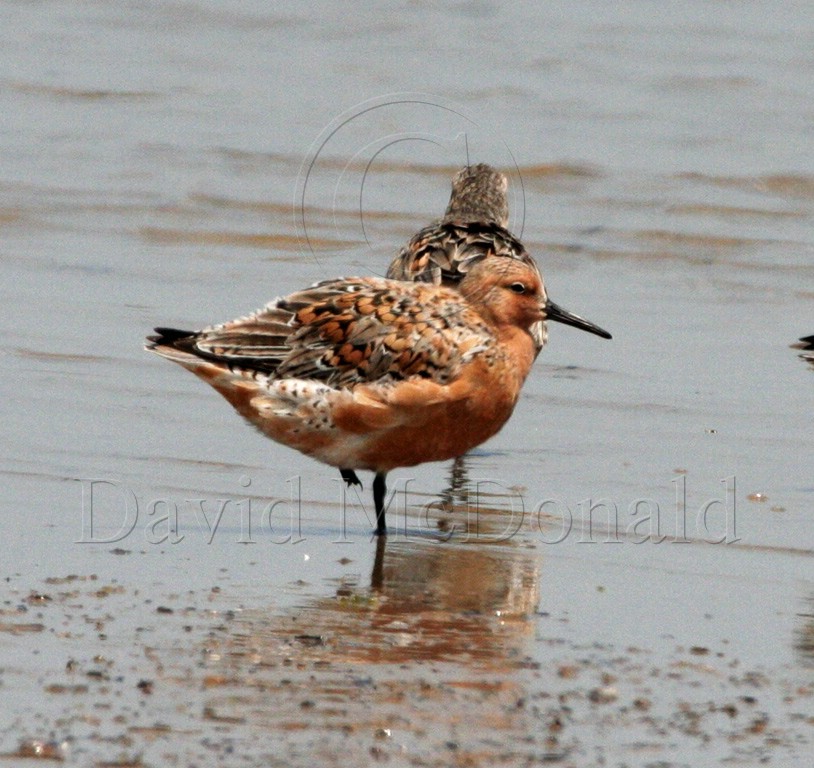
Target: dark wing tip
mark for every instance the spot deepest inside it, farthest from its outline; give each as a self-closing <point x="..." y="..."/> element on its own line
<point x="805" y="342"/>
<point x="168" y="336"/>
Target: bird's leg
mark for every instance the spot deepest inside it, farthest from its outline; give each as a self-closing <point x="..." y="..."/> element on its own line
<point x="379" y="490"/>
<point x="377" y="576"/>
<point x="350" y="477"/>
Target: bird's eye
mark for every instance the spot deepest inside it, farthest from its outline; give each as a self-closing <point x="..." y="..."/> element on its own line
<point x="518" y="288"/>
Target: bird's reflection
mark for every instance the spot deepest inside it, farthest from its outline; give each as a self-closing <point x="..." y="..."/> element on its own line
<point x="469" y="510"/>
<point x="453" y="600"/>
<point x="459" y="595"/>
<point x="448" y="601"/>
<point x="457" y="492"/>
<point x="467" y="597"/>
<point x="452" y="577"/>
<point x="804" y="635"/>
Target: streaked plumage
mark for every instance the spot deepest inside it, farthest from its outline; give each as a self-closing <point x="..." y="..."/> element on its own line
<point x="364" y="373"/>
<point x="473" y="228"/>
<point x="479" y="194"/>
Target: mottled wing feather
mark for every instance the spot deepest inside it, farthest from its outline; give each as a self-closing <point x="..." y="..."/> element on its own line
<point x="443" y="253"/>
<point x="392" y="332"/>
<point x="256" y="342"/>
<point x="345" y="333"/>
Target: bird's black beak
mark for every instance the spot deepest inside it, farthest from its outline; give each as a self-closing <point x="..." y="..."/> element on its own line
<point x="560" y="315"/>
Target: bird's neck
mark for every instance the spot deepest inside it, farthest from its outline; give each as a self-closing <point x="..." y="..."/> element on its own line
<point x="520" y="351"/>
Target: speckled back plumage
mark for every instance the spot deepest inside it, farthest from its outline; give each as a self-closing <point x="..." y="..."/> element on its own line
<point x="443" y="253"/>
<point x="473" y="228"/>
<point x="345" y="332"/>
<point x="364" y="373"/>
<point x="374" y="374"/>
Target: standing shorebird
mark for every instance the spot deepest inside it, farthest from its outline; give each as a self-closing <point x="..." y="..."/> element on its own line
<point x="474" y="227"/>
<point x="365" y="373"/>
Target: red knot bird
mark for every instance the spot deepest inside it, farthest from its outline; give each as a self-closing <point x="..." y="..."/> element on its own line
<point x="375" y="374"/>
<point x="473" y="228"/>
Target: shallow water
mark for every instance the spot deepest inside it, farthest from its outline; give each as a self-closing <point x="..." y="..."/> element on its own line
<point x="182" y="163"/>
